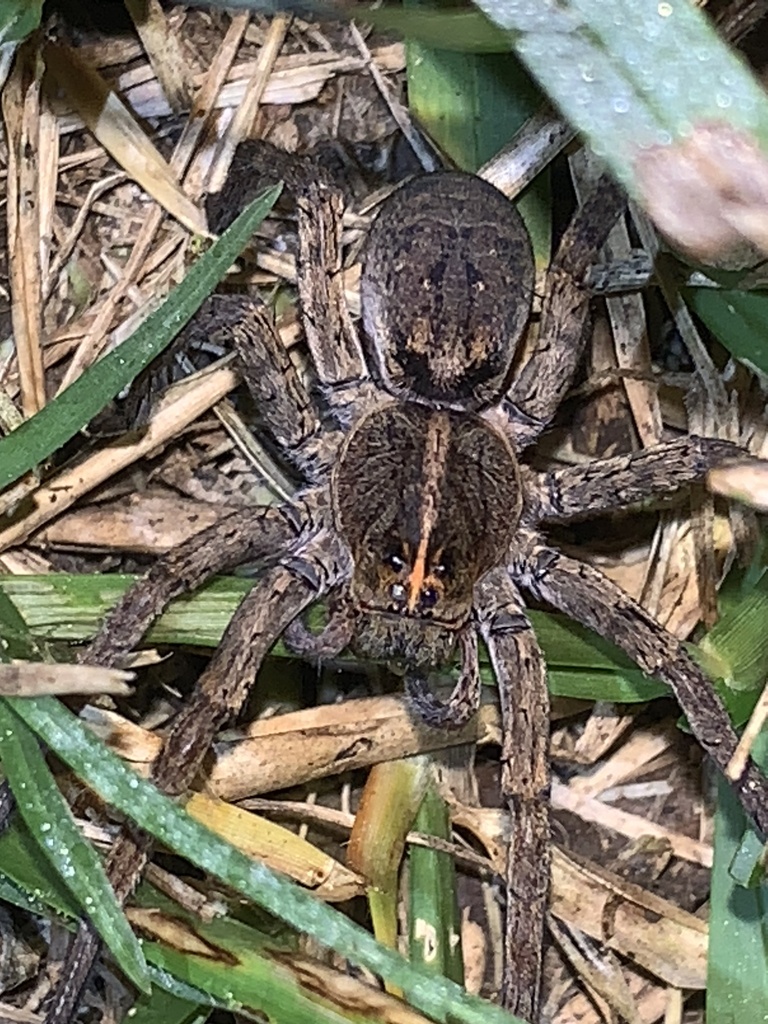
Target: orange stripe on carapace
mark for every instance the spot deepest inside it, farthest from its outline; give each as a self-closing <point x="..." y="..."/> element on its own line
<point x="417" y="574"/>
<point x="436" y="445"/>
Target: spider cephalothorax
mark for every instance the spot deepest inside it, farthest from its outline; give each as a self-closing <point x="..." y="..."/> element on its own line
<point x="416" y="515"/>
<point x="428" y="501"/>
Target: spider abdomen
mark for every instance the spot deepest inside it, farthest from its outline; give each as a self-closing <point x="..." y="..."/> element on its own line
<point x="446" y="290"/>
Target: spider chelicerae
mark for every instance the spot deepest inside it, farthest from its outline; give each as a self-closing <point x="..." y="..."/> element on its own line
<point x="418" y="518"/>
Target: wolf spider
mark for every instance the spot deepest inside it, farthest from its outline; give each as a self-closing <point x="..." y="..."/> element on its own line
<point x="418" y="518"/>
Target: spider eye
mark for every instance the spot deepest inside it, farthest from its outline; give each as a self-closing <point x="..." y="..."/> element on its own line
<point x="397" y="592"/>
<point x="428" y="597"/>
<point x="394" y="562"/>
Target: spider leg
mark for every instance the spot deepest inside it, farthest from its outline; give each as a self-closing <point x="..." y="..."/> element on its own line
<point x="335" y="346"/>
<point x="613" y="483"/>
<point x="330" y="641"/>
<point x="282" y="594"/>
<point x="520" y="671"/>
<point x="587" y="596"/>
<point x="283" y="407"/>
<point x="245" y="535"/>
<point x="464" y="700"/>
<point x="538" y="390"/>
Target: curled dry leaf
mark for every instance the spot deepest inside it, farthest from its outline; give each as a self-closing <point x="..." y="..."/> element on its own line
<point x="30" y="679"/>
<point x="744" y="481"/>
<point x="708" y="194"/>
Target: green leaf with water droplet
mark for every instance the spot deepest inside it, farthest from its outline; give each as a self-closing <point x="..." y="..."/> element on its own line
<point x="157" y="814"/>
<point x="629" y="74"/>
<point x="49" y="819"/>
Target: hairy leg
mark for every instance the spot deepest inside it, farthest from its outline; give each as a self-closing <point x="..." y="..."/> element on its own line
<point x="220" y="693"/>
<point x="609" y="484"/>
<point x="538" y="390"/>
<point x="330" y="641"/>
<point x="250" y="534"/>
<point x="520" y="671"/>
<point x="464" y="700"/>
<point x="587" y="596"/>
<point x="337" y="354"/>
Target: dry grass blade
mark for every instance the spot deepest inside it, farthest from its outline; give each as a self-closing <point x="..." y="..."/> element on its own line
<point x="653" y="932"/>
<point x="278" y="847"/>
<point x="178" y="411"/>
<point x="117" y="130"/>
<point x="164" y="50"/>
<point x="301" y="746"/>
<point x="631" y="825"/>
<point x="21" y="112"/>
<point x="26" y="679"/>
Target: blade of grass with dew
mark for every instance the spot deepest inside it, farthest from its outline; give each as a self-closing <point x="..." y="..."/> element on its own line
<point x="115" y="783"/>
<point x="434" y="918"/>
<point x="251" y="971"/>
<point x="26" y="878"/>
<point x="737" y="963"/>
<point x="49" y="819"/>
<point x="223" y="963"/>
<point x="71" y="608"/>
<point x="43" y="434"/>
<point x="629" y="74"/>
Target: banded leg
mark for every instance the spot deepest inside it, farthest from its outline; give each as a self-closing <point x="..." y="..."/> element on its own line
<point x="331" y="336"/>
<point x="245" y="535"/>
<point x="587" y="596"/>
<point x="223" y="688"/>
<point x="608" y="484"/>
<point x="537" y="392"/>
<point x="284" y="409"/>
<point x="520" y="671"/>
<point x="464" y="700"/>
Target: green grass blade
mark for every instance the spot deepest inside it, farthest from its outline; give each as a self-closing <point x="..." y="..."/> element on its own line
<point x="434" y="918"/>
<point x="18" y="18"/>
<point x="49" y="819"/>
<point x="163" y="1007"/>
<point x="43" y="434"/>
<point x="109" y="777"/>
<point x="26" y="878"/>
<point x="471" y="104"/>
<point x="628" y="74"/>
<point x="237" y="966"/>
<point x="63" y="607"/>
<point x="737" y="963"/>
<point x="247" y="970"/>
<point x="739" y="319"/>
<point x="51" y="838"/>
